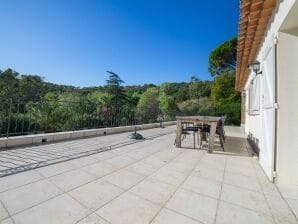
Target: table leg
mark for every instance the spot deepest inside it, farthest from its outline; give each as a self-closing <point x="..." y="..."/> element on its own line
<point x="178" y="134"/>
<point x="212" y="136"/>
<point x="199" y="139"/>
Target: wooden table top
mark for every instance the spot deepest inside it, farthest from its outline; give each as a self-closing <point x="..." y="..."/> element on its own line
<point x="198" y="118"/>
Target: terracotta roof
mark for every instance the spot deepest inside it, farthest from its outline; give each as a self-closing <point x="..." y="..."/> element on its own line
<point x="253" y="22"/>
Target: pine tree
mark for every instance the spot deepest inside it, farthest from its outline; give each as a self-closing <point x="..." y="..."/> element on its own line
<point x="116" y="90"/>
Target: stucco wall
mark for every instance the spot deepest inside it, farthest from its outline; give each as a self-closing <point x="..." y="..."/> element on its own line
<point x="253" y="125"/>
<point x="287" y="115"/>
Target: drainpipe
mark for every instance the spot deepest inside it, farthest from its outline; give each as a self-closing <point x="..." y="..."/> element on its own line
<point x="276" y="112"/>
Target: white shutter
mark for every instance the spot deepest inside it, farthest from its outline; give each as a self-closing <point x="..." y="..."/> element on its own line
<point x="254" y="96"/>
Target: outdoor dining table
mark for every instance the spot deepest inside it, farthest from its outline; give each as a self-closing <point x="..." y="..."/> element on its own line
<point x="197" y="120"/>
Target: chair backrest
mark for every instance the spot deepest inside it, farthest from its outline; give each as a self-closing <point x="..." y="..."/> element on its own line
<point x="223" y="118"/>
<point x="221" y="122"/>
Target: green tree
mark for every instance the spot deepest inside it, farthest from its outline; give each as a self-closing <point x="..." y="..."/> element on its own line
<point x="31" y="87"/>
<point x="45" y="114"/>
<point x="147" y="108"/>
<point x="223" y="58"/>
<point x="182" y="93"/>
<point x="198" y="88"/>
<point x="223" y="90"/>
<point x="226" y="99"/>
<point x="167" y="103"/>
<point x="9" y="85"/>
<point x="132" y="100"/>
<point x="116" y="90"/>
<point x="194" y="107"/>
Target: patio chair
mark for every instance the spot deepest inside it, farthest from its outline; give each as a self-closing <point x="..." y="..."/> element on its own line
<point x="220" y="131"/>
<point x="187" y="129"/>
<point x="194" y="129"/>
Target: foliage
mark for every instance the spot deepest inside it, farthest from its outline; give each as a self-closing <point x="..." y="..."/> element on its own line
<point x="167" y="103"/>
<point x="148" y="108"/>
<point x="223" y="58"/>
<point x="223" y="90"/>
<point x="195" y="106"/>
<point x="116" y="91"/>
<point x="29" y="104"/>
<point x="9" y="84"/>
<point x="198" y="88"/>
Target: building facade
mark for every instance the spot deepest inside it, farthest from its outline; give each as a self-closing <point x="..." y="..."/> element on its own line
<point x="267" y="76"/>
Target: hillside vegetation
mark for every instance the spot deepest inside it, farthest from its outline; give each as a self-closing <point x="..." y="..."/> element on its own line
<point x="51" y="107"/>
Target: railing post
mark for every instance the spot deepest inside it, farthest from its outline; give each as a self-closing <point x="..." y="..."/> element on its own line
<point x="9" y="114"/>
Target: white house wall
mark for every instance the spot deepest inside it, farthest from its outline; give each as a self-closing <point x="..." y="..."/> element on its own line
<point x="287" y="122"/>
<point x="253" y="123"/>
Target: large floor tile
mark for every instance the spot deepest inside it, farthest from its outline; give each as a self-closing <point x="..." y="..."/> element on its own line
<point x="268" y="187"/>
<point x="129" y="208"/>
<point x="211" y="164"/>
<point x="183" y="167"/>
<point x="167" y="216"/>
<point x="169" y="176"/>
<point x="242" y="162"/>
<point x="83" y="161"/>
<point x="293" y="203"/>
<point x="24" y="197"/>
<point x="250" y="183"/>
<point x="56" y="169"/>
<point x="7" y="221"/>
<point x="228" y="214"/>
<point x="93" y="219"/>
<point x="155" y="161"/>
<point x="121" y="161"/>
<point x="211" y="174"/>
<point x="3" y="212"/>
<point x="123" y="178"/>
<point x="104" y="155"/>
<point x="95" y="194"/>
<point x="19" y="179"/>
<point x="154" y="190"/>
<point x="142" y="168"/>
<point x="246" y="198"/>
<point x="199" y="207"/>
<point x="280" y="209"/>
<point x="59" y="210"/>
<point x="137" y="155"/>
<point x="242" y="170"/>
<point x="99" y="169"/>
<point x="203" y="186"/>
<point x="289" y="191"/>
<point x="72" y="179"/>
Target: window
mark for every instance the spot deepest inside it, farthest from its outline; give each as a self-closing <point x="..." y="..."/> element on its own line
<point x="254" y="96"/>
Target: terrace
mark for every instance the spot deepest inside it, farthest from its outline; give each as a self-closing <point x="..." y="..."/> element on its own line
<point x="111" y="179"/>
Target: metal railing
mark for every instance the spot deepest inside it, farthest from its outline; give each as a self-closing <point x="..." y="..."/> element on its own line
<point x="22" y="118"/>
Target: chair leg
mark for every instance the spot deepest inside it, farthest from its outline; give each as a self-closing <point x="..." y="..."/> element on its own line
<point x="194" y="140"/>
<point x="200" y="139"/>
<point x="221" y="139"/>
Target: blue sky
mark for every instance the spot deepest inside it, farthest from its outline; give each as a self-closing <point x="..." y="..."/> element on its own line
<point x="74" y="42"/>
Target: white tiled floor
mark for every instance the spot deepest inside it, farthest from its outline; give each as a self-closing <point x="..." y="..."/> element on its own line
<point x="147" y="182"/>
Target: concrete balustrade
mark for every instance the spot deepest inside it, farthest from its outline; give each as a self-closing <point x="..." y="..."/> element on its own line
<point x="58" y="136"/>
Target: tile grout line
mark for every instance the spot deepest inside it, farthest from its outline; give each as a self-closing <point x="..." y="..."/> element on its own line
<point x="178" y="187"/>
<point x="219" y="198"/>
<point x="74" y="168"/>
<point x="9" y="215"/>
<point x="93" y="213"/>
<point x="160" y="134"/>
<point x="267" y="203"/>
<point x="281" y="196"/>
<point x="124" y="191"/>
<point x="66" y="192"/>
